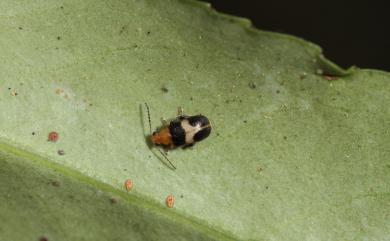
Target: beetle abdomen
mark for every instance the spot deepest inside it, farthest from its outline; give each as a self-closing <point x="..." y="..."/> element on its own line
<point x="186" y="130"/>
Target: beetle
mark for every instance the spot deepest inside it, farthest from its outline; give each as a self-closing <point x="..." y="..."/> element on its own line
<point x="183" y="131"/>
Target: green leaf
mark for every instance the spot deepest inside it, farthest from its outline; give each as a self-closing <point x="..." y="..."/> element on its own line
<point x="299" y="149"/>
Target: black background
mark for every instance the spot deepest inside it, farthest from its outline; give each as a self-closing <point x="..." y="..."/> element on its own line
<point x="349" y="32"/>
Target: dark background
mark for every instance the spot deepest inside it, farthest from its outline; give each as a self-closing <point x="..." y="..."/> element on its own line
<point x="349" y="32"/>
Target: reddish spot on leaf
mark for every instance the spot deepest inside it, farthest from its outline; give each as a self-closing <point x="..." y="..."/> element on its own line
<point x="53" y="136"/>
<point x="330" y="78"/>
<point x="170" y="201"/>
<point x="128" y="184"/>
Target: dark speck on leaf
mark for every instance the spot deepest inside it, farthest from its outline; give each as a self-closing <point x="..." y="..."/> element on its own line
<point x="266" y="187"/>
<point x="285" y="137"/>
<point x="122" y="29"/>
<point x="43" y="238"/>
<point x="164" y="89"/>
<point x="113" y="200"/>
<point x="9" y="88"/>
<point x="245" y="121"/>
<point x="55" y="183"/>
<point x="148" y="32"/>
<point x="136" y="227"/>
<point x="62" y="7"/>
<point x="33" y="133"/>
<point x="277" y="91"/>
<point x="61" y="152"/>
<point x="59" y="38"/>
<point x="20" y="28"/>
<point x="252" y="85"/>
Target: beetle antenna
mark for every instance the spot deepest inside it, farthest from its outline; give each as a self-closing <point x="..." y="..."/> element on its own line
<point x="150" y="123"/>
<point x="166" y="158"/>
<point x="150" y="128"/>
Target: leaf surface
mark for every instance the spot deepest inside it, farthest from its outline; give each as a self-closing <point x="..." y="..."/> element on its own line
<point x="299" y="148"/>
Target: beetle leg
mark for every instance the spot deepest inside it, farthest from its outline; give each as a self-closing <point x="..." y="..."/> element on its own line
<point x="188" y="145"/>
<point x="180" y="111"/>
<point x="164" y="121"/>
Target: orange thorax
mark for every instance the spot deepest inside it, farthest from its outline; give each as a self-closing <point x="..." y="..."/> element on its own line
<point x="163" y="137"/>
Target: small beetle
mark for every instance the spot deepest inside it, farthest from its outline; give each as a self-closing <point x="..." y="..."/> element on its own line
<point x="183" y="131"/>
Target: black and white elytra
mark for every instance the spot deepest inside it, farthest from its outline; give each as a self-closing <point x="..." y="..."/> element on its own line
<point x="183" y="131"/>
